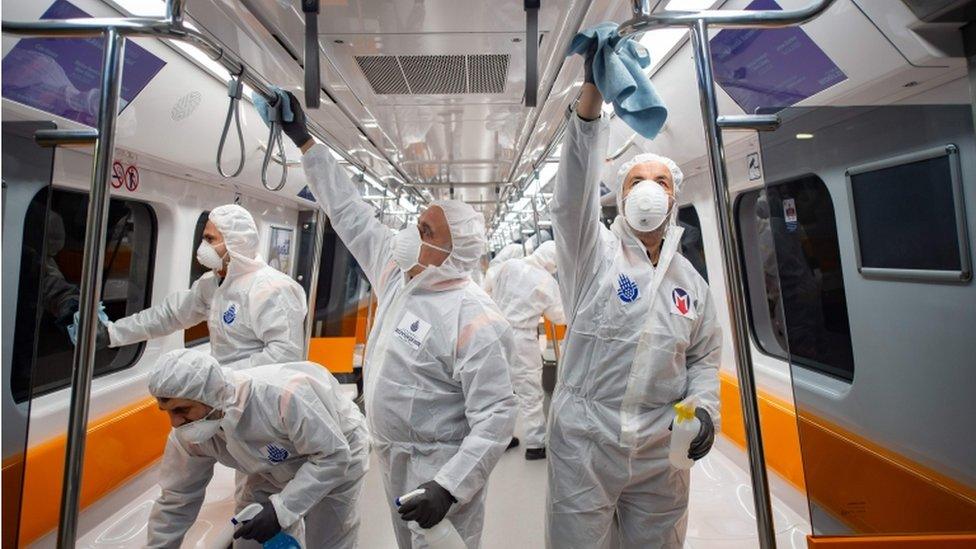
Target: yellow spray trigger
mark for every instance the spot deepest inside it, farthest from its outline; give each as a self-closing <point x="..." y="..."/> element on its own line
<point x="683" y="412"/>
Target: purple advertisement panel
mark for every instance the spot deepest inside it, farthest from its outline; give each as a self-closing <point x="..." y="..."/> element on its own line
<point x="771" y="68"/>
<point x="62" y="75"/>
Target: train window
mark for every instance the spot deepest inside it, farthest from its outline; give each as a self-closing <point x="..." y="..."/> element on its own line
<point x="198" y="334"/>
<point x="342" y="290"/>
<point x="692" y="246"/>
<point x="126" y="283"/>
<point x="909" y="218"/>
<point x="791" y="257"/>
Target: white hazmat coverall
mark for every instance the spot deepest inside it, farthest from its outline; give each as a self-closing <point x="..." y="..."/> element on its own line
<point x="287" y="428"/>
<point x="438" y="393"/>
<point x="256" y="314"/>
<point x="641" y="338"/>
<point x="524" y="291"/>
<point x="510" y="251"/>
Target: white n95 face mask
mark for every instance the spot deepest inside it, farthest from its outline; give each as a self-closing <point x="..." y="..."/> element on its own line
<point x="646" y="206"/>
<point x="199" y="431"/>
<point x="208" y="257"/>
<point x="406" y="248"/>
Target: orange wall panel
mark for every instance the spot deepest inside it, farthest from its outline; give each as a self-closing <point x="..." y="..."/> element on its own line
<point x="963" y="541"/>
<point x="118" y="447"/>
<point x="335" y="353"/>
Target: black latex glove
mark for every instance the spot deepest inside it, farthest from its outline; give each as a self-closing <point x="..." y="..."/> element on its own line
<point x="297" y="129"/>
<point x="66" y="313"/>
<point x="588" y="63"/>
<point x="101" y="336"/>
<point x="262" y="527"/>
<point x="430" y="508"/>
<point x="706" y="436"/>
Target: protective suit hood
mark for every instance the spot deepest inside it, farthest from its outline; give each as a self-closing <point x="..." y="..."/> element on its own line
<point x="544" y="256"/>
<point x="676" y="175"/>
<point x="193" y="375"/>
<point x="508" y="252"/>
<point x="467" y="246"/>
<point x="240" y="236"/>
<point x="54" y="234"/>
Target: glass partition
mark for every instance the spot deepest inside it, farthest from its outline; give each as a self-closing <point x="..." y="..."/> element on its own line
<point x="882" y="366"/>
<point x="27" y="170"/>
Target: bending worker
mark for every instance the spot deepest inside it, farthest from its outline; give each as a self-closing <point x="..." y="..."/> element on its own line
<point x="255" y="313"/>
<point x="301" y="446"/>
<point x="510" y="251"/>
<point x="643" y="336"/>
<point x="438" y="394"/>
<point x="525" y="290"/>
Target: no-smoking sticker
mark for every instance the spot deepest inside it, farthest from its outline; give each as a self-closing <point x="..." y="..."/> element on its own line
<point x="131" y="178"/>
<point x="117" y="174"/>
<point x="125" y="176"/>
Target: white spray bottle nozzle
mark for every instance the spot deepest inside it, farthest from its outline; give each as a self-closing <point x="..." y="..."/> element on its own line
<point x="247" y="513"/>
<point x="409" y="496"/>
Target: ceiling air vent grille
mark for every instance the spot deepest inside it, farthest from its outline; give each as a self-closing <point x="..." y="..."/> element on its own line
<point x="383" y="73"/>
<point x="487" y="73"/>
<point x="435" y="74"/>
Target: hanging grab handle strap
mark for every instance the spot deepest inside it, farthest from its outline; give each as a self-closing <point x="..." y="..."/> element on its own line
<point x="274" y="116"/>
<point x="313" y="83"/>
<point x="235" y="87"/>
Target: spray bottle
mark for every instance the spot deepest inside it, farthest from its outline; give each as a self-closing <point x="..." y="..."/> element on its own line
<point x="280" y="541"/>
<point x="442" y="535"/>
<point x="684" y="429"/>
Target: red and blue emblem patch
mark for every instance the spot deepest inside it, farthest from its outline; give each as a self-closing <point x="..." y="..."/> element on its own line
<point x="680" y="302"/>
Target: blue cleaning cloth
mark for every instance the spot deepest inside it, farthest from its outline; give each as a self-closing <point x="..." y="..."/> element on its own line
<point x="261" y="104"/>
<point x="620" y="77"/>
<point x="73" y="327"/>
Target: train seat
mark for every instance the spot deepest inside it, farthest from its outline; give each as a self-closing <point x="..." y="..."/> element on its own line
<point x="127" y="528"/>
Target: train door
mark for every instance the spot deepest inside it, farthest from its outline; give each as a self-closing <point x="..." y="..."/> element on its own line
<point x="43" y="234"/>
<point x="342" y="305"/>
<point x="858" y="258"/>
<point x="27" y="172"/>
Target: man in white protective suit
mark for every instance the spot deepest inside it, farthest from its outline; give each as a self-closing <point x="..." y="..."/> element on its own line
<point x="510" y="251"/>
<point x="255" y="313"/>
<point x="525" y="290"/>
<point x="299" y="444"/>
<point x="439" y="398"/>
<point x="643" y="336"/>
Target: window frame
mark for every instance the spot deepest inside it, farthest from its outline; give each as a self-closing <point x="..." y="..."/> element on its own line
<point x="694" y="209"/>
<point x="780" y="352"/>
<point x="965" y="271"/>
<point x="150" y="269"/>
<point x="203" y="217"/>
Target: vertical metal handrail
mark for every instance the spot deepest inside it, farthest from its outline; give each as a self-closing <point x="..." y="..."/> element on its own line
<point x="313" y="281"/>
<point x="114" y="30"/>
<point x="735" y="296"/>
<point x="699" y="23"/>
<point x="83" y="360"/>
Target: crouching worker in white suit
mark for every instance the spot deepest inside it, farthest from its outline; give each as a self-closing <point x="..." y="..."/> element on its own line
<point x="438" y="392"/>
<point x="299" y="445"/>
<point x="643" y="336"/>
<point x="255" y="313"/>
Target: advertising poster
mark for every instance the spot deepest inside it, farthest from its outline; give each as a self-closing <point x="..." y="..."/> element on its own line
<point x="279" y="256"/>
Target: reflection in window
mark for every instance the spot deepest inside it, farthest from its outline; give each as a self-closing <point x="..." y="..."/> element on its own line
<point x="692" y="245"/>
<point x="906" y="215"/>
<point x="126" y="282"/>
<point x="343" y="290"/>
<point x="198" y="334"/>
<point x="797" y="304"/>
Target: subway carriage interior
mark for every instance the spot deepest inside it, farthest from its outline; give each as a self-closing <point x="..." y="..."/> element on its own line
<point x="829" y="200"/>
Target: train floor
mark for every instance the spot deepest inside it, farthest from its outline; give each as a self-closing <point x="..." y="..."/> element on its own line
<point x="720" y="514"/>
<point x="720" y="509"/>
